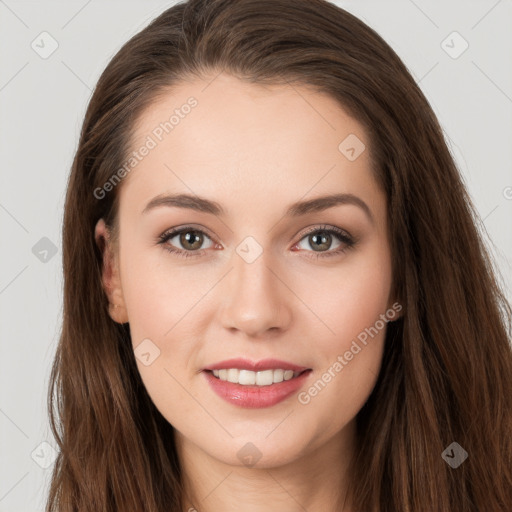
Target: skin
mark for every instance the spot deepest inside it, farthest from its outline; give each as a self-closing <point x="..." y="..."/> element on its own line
<point x="245" y="146"/>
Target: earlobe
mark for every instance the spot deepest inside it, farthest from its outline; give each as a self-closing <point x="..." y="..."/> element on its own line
<point x="110" y="277"/>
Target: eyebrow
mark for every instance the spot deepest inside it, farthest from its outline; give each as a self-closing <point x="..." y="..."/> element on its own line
<point x="201" y="204"/>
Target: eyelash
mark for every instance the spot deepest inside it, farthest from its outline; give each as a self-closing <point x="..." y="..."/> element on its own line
<point x="342" y="236"/>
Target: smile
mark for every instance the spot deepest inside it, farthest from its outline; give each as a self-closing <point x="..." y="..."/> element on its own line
<point x="250" y="378"/>
<point x="249" y="394"/>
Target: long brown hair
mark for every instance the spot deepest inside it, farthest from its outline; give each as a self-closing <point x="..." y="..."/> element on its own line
<point x="447" y="369"/>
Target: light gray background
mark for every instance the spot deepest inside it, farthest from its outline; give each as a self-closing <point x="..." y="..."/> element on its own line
<point x="42" y="103"/>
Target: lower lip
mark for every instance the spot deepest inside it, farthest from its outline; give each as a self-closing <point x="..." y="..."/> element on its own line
<point x="253" y="397"/>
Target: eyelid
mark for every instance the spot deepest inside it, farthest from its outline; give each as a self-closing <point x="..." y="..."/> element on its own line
<point x="325" y="227"/>
<point x="191" y="227"/>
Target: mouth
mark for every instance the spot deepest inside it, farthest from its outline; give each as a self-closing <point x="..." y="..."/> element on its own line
<point x="255" y="378"/>
<point x="248" y="384"/>
<point x="256" y="389"/>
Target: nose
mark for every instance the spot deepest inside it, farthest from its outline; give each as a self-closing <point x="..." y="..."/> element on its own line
<point x="257" y="299"/>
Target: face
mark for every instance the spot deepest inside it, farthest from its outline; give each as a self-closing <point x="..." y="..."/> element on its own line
<point x="250" y="277"/>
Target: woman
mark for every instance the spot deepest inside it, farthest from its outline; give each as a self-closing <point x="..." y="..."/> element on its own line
<point x="276" y="296"/>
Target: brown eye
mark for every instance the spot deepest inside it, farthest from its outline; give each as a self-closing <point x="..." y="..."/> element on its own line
<point x="321" y="239"/>
<point x="191" y="239"/>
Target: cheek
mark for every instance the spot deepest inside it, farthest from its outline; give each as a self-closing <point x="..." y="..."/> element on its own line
<point x="159" y="300"/>
<point x="351" y="305"/>
<point x="156" y="294"/>
<point x="340" y="389"/>
<point x="349" y="298"/>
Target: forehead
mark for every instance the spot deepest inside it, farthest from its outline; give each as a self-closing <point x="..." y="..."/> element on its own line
<point x="227" y="139"/>
<point x="249" y="113"/>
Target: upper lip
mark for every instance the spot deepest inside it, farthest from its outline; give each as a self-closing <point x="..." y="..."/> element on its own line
<point x="263" y="364"/>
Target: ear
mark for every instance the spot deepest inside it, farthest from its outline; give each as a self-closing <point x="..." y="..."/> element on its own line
<point x="111" y="279"/>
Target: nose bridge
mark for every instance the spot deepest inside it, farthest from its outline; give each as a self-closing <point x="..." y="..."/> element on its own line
<point x="255" y="299"/>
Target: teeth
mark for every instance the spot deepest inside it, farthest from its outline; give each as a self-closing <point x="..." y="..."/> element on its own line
<point x="250" y="378"/>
